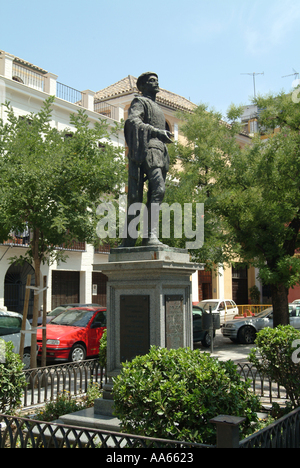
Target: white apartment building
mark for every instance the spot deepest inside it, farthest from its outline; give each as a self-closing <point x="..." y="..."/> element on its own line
<point x="27" y="86"/>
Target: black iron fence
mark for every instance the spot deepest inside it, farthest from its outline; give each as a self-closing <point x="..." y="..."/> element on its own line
<point x="106" y="109"/>
<point x="284" y="433"/>
<point x="68" y="94"/>
<point x="268" y="391"/>
<point x="28" y="433"/>
<point x="16" y="432"/>
<point x="46" y="383"/>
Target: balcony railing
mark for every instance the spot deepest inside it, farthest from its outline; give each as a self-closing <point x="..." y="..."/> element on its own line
<point x="106" y="109"/>
<point x="28" y="77"/>
<point x="23" y="240"/>
<point x="78" y="246"/>
<point x="68" y="94"/>
<point x="19" y="239"/>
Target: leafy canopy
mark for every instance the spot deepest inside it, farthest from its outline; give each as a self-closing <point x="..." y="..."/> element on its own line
<point x="250" y="193"/>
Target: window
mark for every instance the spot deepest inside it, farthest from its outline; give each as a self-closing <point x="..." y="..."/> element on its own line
<point x="99" y="320"/>
<point x="10" y="325"/>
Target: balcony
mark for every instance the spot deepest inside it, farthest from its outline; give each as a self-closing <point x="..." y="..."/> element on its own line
<point x="106" y="109"/>
<point x="68" y="94"/>
<point x="23" y="72"/>
<point x="28" y="77"/>
<point x="72" y="246"/>
<point x="17" y="239"/>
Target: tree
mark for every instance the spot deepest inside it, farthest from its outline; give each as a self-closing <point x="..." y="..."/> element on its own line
<point x="251" y="194"/>
<point x="51" y="182"/>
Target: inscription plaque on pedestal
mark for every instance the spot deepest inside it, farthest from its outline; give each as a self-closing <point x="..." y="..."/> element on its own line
<point x="134" y="326"/>
<point x="174" y="321"/>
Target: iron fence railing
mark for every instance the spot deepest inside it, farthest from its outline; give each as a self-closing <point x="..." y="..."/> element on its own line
<point x="68" y="94"/>
<point x="28" y="433"/>
<point x="262" y="385"/>
<point x="284" y="433"/>
<point x="106" y="109"/>
<point x="46" y="383"/>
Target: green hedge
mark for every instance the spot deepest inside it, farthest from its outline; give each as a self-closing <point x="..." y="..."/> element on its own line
<point x="174" y="394"/>
<point x="12" y="379"/>
<point x="276" y="355"/>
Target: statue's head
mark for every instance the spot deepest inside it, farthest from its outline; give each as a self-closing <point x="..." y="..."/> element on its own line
<point x="148" y="82"/>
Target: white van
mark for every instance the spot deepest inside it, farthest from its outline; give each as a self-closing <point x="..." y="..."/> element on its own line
<point x="10" y="330"/>
<point x="226" y="307"/>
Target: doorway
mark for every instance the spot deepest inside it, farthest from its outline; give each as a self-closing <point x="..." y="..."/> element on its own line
<point x="15" y="287"/>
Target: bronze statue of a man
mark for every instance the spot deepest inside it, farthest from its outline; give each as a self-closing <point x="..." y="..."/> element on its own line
<point x="148" y="159"/>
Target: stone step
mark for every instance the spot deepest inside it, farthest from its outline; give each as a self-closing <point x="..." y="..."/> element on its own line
<point x="88" y="418"/>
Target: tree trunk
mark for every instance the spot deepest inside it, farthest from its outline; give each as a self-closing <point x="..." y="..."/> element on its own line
<point x="280" y="305"/>
<point x="37" y="265"/>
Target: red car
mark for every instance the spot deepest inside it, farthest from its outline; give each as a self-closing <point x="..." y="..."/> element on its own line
<point x="74" y="334"/>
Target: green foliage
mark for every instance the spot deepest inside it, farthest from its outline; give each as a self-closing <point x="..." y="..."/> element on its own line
<point x="94" y="391"/>
<point x="103" y="349"/>
<point x="12" y="379"/>
<point x="254" y="294"/>
<point x="65" y="404"/>
<point x="174" y="394"/>
<point x="250" y="191"/>
<point x="276" y="356"/>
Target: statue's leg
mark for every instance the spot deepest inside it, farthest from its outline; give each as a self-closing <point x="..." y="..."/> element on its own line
<point x="156" y="192"/>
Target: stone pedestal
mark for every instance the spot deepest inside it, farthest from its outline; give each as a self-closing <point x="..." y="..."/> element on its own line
<point x="149" y="302"/>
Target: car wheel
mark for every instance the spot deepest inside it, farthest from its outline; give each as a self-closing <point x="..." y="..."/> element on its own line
<point x="78" y="353"/>
<point x="206" y="342"/>
<point x="247" y="335"/>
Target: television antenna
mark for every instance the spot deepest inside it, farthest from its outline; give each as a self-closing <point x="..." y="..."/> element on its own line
<point x="296" y="74"/>
<point x="253" y="74"/>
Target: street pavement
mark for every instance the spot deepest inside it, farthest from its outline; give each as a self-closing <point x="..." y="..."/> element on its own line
<point x="225" y="350"/>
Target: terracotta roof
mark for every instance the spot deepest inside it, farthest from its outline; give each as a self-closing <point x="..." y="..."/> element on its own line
<point x="128" y="86"/>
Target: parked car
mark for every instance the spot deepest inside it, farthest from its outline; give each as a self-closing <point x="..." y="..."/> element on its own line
<point x="74" y="334"/>
<point x="10" y="330"/>
<point x="53" y="313"/>
<point x="226" y="307"/>
<point x="198" y="333"/>
<point x="244" y="330"/>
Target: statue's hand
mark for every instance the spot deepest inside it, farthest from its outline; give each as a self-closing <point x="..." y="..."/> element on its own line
<point x="165" y="136"/>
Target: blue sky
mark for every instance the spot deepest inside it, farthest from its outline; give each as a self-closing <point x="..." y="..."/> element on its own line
<point x="198" y="48"/>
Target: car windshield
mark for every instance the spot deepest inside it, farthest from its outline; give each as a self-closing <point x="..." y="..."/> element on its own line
<point x="56" y="311"/>
<point x="74" y="317"/>
<point x="205" y="305"/>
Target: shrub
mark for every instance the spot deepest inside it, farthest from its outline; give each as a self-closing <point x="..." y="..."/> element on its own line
<point x="276" y="357"/>
<point x="93" y="391"/>
<point x="103" y="348"/>
<point x="64" y="404"/>
<point x="174" y="394"/>
<point x="12" y="379"/>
